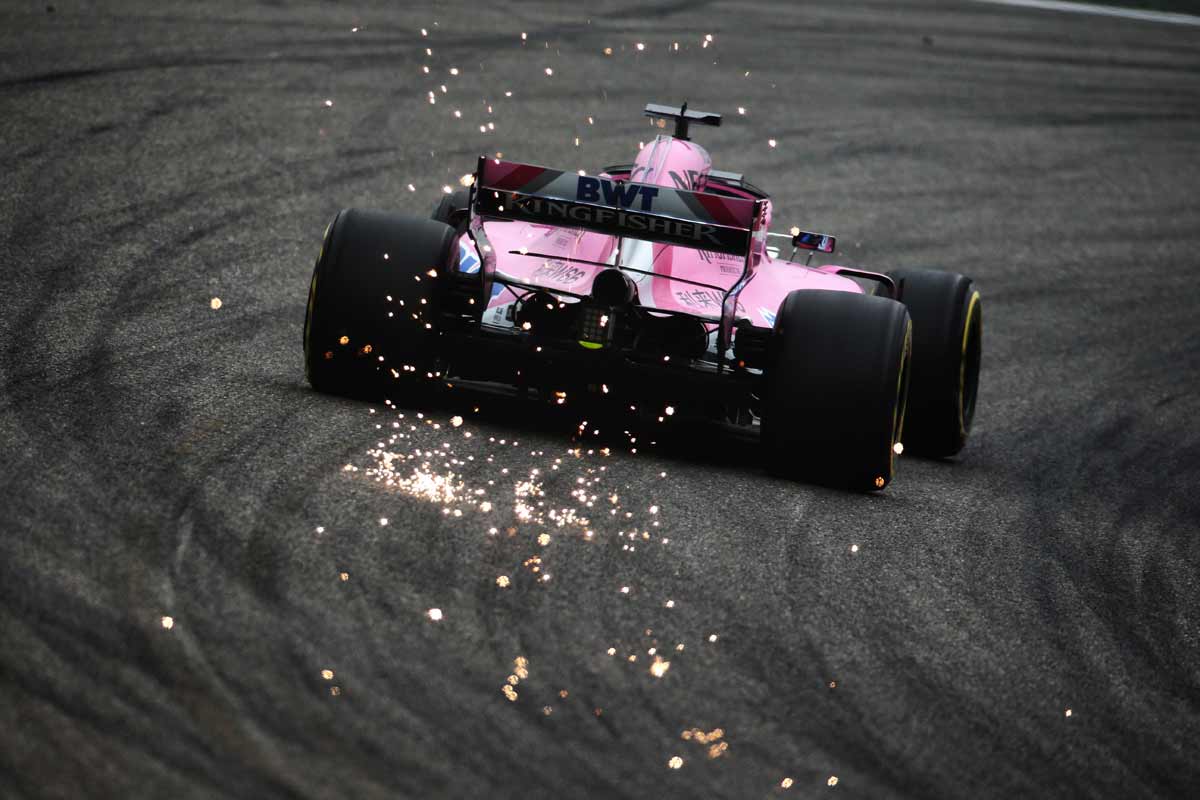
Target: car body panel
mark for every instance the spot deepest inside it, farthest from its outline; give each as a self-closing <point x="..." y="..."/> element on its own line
<point x="567" y="259"/>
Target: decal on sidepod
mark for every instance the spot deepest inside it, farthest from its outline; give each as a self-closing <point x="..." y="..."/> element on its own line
<point x="467" y="260"/>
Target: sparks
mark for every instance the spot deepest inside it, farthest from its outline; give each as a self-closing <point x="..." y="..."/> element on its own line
<point x="435" y="614"/>
<point x="169" y="622"/>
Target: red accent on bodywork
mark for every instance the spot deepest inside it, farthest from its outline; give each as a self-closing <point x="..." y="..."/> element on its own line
<point x="510" y="176"/>
<point x="723" y="212"/>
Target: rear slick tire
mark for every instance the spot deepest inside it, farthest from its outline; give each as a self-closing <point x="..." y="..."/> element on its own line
<point x="370" y="328"/>
<point x="836" y="388"/>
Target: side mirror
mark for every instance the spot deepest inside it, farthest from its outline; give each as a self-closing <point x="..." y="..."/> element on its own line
<point x="814" y="241"/>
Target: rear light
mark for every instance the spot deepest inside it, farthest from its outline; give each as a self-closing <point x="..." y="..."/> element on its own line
<point x="596" y="326"/>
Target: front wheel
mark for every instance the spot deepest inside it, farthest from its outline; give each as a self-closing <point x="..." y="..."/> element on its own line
<point x="836" y="388"/>
<point x="372" y="302"/>
<point x="947" y="316"/>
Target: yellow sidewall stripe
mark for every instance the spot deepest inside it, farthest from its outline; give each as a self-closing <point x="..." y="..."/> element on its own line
<point x="898" y="411"/>
<point x="962" y="362"/>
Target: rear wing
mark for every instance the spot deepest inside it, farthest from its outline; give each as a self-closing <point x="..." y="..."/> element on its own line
<point x="509" y="190"/>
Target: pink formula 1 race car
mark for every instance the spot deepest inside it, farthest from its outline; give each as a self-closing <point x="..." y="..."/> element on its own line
<point x="657" y="283"/>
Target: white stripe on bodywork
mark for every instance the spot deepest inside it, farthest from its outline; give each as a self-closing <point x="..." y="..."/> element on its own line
<point x="639" y="254"/>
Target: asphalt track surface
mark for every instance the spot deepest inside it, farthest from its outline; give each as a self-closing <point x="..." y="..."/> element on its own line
<point x="1019" y="621"/>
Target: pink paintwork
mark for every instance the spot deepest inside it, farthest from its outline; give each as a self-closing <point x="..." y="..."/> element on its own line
<point x="561" y="253"/>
